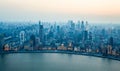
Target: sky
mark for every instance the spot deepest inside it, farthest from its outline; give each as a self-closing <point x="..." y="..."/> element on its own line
<point x="60" y="10"/>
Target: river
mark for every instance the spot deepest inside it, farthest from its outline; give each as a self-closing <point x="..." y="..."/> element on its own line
<point x="55" y="62"/>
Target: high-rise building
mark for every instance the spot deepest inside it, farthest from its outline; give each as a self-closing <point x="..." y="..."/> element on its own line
<point x="71" y="24"/>
<point x="86" y="25"/>
<point x="41" y="32"/>
<point x="78" y="25"/>
<point x="103" y="34"/>
<point x="111" y="41"/>
<point x="32" y="41"/>
<point x="1" y="41"/>
<point x="82" y="30"/>
<point x="22" y="37"/>
<point x="58" y="31"/>
<point x="85" y="35"/>
<point x="82" y="26"/>
<point x="90" y="36"/>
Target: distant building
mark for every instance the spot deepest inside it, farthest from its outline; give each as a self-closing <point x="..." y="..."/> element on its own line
<point x="85" y="35"/>
<point x="111" y="41"/>
<point x="82" y="26"/>
<point x="1" y="41"/>
<point x="41" y="32"/>
<point x="62" y="47"/>
<point x="109" y="49"/>
<point x="6" y="47"/>
<point x="32" y="41"/>
<point x="90" y="36"/>
<point x="70" y="47"/>
<point x="78" y="25"/>
<point x="22" y="37"/>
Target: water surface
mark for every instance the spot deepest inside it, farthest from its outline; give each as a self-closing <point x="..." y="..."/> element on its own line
<point x="55" y="62"/>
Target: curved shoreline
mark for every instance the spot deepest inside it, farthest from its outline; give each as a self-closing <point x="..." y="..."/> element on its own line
<point x="65" y="52"/>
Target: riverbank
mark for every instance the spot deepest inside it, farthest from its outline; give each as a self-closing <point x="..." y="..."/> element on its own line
<point x="65" y="52"/>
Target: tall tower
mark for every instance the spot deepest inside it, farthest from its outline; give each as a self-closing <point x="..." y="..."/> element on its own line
<point x="22" y="37"/>
<point x="1" y="41"/>
<point x="90" y="36"/>
<point x="111" y="41"/>
<point x="82" y="29"/>
<point x="78" y="25"/>
<point x="32" y="41"/>
<point x="82" y="26"/>
<point x="86" y="25"/>
<point x="85" y="35"/>
<point x="41" y="31"/>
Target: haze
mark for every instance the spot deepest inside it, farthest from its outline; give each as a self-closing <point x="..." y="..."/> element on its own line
<point x="60" y="10"/>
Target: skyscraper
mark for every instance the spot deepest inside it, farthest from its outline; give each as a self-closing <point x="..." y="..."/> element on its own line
<point x="90" y="36"/>
<point x="32" y="41"/>
<point x="111" y="41"/>
<point x="82" y="30"/>
<point x="78" y="25"/>
<point x="1" y="41"/>
<point x="22" y="37"/>
<point x="82" y="26"/>
<point x="85" y="35"/>
<point x="41" y="32"/>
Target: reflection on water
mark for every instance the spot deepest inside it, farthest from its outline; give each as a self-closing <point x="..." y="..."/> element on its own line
<point x="55" y="62"/>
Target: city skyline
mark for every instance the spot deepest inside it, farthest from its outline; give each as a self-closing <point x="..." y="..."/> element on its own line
<point x="59" y="35"/>
<point x="101" y="11"/>
<point x="80" y="37"/>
